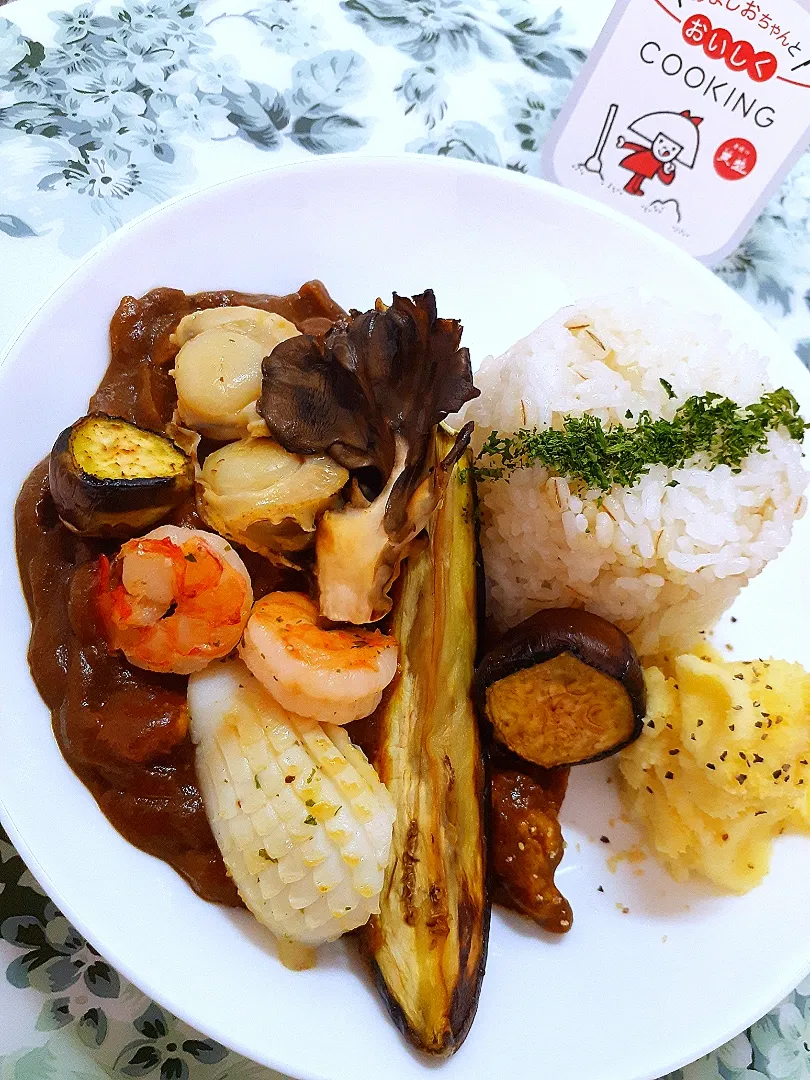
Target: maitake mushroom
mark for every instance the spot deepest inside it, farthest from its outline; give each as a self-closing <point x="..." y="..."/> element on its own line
<point x="371" y="394"/>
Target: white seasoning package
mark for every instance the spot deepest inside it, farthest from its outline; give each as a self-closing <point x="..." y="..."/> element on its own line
<point x="688" y="114"/>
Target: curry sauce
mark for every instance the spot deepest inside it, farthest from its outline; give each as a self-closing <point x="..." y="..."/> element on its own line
<point x="123" y="730"/>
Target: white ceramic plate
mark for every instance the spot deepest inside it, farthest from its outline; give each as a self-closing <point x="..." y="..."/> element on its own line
<point x="624" y="996"/>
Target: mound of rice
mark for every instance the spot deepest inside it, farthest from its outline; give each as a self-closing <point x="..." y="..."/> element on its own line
<point x="661" y="562"/>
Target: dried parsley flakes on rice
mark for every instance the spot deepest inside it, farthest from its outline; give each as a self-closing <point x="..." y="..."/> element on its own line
<point x="620" y="389"/>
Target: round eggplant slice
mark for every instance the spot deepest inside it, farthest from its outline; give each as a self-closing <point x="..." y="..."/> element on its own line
<point x="109" y="478"/>
<point x="564" y="687"/>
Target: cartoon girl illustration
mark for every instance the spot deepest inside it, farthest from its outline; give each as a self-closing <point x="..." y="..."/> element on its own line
<point x="669" y="137"/>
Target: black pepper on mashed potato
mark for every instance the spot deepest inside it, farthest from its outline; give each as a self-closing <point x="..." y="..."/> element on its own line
<point x="722" y="765"/>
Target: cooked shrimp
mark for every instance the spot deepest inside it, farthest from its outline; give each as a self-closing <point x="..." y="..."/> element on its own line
<point x="175" y="599"/>
<point x="333" y="675"/>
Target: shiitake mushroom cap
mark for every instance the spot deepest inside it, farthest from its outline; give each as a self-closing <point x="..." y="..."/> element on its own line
<point x="595" y="701"/>
<point x="112" y="479"/>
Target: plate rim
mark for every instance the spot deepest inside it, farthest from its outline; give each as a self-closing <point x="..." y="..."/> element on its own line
<point x="363" y="161"/>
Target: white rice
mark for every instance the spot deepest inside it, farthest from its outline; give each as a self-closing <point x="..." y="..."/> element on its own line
<point x="661" y="562"/>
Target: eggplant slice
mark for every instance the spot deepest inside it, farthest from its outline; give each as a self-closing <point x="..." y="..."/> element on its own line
<point x="564" y="687"/>
<point x="428" y="944"/>
<point x="110" y="478"/>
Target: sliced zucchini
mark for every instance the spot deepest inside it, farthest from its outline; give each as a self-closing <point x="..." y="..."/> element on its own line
<point x="109" y="478"/>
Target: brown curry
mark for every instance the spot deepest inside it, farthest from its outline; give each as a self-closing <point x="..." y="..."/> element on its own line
<point x="122" y="729"/>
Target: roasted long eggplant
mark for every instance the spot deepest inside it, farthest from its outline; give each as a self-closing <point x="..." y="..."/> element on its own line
<point x="428" y="944"/>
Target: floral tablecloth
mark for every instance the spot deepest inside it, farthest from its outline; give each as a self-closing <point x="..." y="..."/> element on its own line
<point x="108" y="109"/>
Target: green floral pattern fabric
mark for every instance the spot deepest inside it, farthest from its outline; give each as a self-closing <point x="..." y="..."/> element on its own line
<point x="90" y="1023"/>
<point x="108" y="109"/>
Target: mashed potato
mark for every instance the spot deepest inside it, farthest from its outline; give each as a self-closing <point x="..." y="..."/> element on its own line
<point x="722" y="765"/>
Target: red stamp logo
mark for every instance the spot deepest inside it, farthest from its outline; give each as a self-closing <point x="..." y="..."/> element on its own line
<point x="734" y="159"/>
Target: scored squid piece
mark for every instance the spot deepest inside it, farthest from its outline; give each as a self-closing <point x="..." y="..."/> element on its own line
<point x="302" y="820"/>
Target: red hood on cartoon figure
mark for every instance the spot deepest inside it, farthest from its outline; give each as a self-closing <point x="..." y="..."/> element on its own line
<point x="670" y="137"/>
